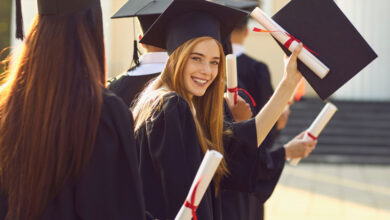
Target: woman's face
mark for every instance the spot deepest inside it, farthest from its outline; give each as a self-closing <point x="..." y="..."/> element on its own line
<point x="201" y="67"/>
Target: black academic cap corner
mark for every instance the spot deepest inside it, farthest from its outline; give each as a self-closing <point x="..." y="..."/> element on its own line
<point x="61" y="7"/>
<point x="187" y="19"/>
<point x="52" y="7"/>
<point x="136" y="8"/>
<point x="247" y="5"/>
<point x="323" y="28"/>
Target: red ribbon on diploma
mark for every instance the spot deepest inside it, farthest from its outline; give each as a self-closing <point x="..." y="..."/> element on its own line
<point x="311" y="136"/>
<point x="191" y="205"/>
<point x="288" y="42"/>
<point x="235" y="91"/>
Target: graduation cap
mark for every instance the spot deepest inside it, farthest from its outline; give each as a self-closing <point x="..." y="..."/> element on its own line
<point x="187" y="19"/>
<point x="247" y="5"/>
<point x="53" y="7"/>
<point x="61" y="7"/>
<point x="323" y="27"/>
<point x="147" y="12"/>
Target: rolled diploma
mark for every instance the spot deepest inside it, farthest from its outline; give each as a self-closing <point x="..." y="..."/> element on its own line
<point x="231" y="75"/>
<point x="305" y="56"/>
<point x="318" y="125"/>
<point x="206" y="170"/>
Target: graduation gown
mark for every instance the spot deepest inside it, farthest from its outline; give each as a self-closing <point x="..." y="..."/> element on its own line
<point x="170" y="156"/>
<point x="130" y="84"/>
<point x="254" y="77"/>
<point x="110" y="185"/>
<point x="128" y="87"/>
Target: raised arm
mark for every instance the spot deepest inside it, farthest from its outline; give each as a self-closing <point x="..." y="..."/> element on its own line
<point x="270" y="113"/>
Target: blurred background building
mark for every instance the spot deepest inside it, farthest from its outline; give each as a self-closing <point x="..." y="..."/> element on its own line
<point x="347" y="176"/>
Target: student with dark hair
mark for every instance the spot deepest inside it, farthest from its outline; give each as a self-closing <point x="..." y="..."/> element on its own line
<point x="179" y="116"/>
<point x="67" y="148"/>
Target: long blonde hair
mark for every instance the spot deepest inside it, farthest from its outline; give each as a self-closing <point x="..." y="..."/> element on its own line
<point x="209" y="107"/>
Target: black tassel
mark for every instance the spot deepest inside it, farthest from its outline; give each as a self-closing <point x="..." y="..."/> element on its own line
<point x="135" y="53"/>
<point x="19" y="20"/>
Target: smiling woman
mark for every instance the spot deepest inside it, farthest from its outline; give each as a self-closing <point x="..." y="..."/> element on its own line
<point x="202" y="67"/>
<point x="194" y="73"/>
<point x="178" y="117"/>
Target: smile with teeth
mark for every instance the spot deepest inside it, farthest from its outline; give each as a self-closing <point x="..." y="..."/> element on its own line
<point x="199" y="81"/>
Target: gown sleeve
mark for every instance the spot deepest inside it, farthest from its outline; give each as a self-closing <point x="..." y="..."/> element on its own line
<point x="110" y="187"/>
<point x="123" y="87"/>
<point x="241" y="154"/>
<point x="175" y="156"/>
<point x="269" y="172"/>
<point x="252" y="169"/>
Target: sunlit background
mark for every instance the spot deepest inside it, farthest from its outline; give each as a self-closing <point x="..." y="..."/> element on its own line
<point x="348" y="175"/>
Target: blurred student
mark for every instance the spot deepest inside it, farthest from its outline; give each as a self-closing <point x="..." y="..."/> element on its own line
<point x="67" y="148"/>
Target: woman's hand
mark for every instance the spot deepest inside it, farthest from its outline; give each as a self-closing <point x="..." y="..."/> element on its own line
<point x="299" y="148"/>
<point x="291" y="72"/>
<point x="240" y="111"/>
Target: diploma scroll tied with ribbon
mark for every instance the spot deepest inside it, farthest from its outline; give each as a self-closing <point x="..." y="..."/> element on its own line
<point x="231" y="81"/>
<point x="202" y="180"/>
<point x="318" y="125"/>
<point x="231" y="77"/>
<point x="320" y="69"/>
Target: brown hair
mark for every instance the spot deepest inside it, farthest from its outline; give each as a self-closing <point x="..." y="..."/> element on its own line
<point x="209" y="121"/>
<point x="50" y="107"/>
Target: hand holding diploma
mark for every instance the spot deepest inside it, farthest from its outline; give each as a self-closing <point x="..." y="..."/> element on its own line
<point x="231" y="81"/>
<point x="199" y="186"/>
<point x="231" y="78"/>
<point x="318" y="125"/>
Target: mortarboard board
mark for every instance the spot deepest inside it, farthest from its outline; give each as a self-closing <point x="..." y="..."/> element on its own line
<point x="187" y="19"/>
<point x="323" y="27"/>
<point x="147" y="11"/>
<point x="247" y="5"/>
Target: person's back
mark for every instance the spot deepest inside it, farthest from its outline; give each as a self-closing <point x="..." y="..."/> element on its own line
<point x="130" y="84"/>
<point x="67" y="148"/>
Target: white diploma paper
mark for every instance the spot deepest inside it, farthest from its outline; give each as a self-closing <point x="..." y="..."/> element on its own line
<point x="280" y="34"/>
<point x="206" y="171"/>
<point x="318" y="125"/>
<point x="231" y="76"/>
